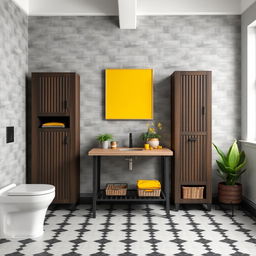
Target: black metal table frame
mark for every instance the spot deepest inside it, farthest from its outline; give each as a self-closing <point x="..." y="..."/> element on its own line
<point x="165" y="183"/>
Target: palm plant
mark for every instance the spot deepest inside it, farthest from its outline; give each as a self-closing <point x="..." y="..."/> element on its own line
<point x="231" y="164"/>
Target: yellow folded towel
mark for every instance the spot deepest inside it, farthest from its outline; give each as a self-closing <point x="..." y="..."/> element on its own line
<point x="148" y="184"/>
<point x="53" y="124"/>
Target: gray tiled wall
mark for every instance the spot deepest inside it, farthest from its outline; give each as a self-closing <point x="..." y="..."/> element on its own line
<point x="13" y="69"/>
<point x="88" y="45"/>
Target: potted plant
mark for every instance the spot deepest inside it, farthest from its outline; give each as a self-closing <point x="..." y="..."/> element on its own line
<point x="231" y="167"/>
<point x="104" y="139"/>
<point x="152" y="135"/>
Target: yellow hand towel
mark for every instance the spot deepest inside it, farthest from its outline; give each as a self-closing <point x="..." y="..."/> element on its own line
<point x="53" y="124"/>
<point x="148" y="184"/>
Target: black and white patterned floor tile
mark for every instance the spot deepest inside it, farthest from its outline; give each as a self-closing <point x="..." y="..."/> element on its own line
<point x="139" y="230"/>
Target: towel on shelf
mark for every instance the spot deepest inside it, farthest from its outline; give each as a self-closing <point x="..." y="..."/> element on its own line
<point x="148" y="184"/>
<point x="53" y="124"/>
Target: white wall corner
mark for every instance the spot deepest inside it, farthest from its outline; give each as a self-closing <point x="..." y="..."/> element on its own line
<point x="127" y="14"/>
<point x="23" y="4"/>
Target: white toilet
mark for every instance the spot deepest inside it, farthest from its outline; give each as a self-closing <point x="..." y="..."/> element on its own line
<point x="23" y="209"/>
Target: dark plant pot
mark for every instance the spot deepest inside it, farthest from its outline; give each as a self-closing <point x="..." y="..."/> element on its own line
<point x="230" y="194"/>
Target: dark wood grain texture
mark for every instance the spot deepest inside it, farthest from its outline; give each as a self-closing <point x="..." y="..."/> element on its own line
<point x="191" y="133"/>
<point x="55" y="157"/>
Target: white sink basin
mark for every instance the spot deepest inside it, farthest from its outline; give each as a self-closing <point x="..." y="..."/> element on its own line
<point x="130" y="149"/>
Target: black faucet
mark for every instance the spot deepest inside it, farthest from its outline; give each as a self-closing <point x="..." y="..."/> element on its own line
<point x="130" y="140"/>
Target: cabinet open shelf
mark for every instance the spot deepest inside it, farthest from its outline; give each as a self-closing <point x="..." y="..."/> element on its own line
<point x="194" y="201"/>
<point x="194" y="183"/>
<point x="193" y="192"/>
<point x="132" y="196"/>
<point x="60" y="119"/>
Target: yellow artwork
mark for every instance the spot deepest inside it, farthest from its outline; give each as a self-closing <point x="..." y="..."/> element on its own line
<point x="129" y="94"/>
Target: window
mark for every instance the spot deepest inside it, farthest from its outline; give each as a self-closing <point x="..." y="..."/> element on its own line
<point x="251" y="82"/>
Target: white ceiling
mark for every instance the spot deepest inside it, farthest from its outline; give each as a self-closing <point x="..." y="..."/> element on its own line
<point x="144" y="7"/>
<point x="245" y="4"/>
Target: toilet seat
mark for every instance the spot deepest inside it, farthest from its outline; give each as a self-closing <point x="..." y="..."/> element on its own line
<point x="31" y="190"/>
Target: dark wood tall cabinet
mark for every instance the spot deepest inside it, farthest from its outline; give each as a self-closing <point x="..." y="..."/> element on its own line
<point x="191" y="135"/>
<point x="55" y="152"/>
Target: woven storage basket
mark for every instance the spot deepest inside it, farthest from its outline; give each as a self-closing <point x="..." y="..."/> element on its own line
<point x="149" y="192"/>
<point x="193" y="192"/>
<point x="116" y="189"/>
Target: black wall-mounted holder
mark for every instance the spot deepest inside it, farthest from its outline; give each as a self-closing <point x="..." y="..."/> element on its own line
<point x="9" y="134"/>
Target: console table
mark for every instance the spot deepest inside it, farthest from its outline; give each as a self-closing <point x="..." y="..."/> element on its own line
<point x="100" y="196"/>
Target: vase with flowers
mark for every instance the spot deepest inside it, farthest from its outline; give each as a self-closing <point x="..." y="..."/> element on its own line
<point x="152" y="135"/>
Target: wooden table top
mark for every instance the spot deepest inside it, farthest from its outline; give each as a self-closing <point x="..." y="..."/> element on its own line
<point x="120" y="152"/>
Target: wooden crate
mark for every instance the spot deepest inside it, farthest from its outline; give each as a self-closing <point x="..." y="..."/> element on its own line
<point x="192" y="192"/>
<point x="116" y="189"/>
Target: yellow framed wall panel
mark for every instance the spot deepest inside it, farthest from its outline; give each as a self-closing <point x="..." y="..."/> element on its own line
<point x="129" y="94"/>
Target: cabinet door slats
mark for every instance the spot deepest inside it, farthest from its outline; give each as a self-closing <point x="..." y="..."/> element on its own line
<point x="191" y="133"/>
<point x="54" y="160"/>
<point x="193" y="103"/>
<point x="192" y="159"/>
<point x="54" y="94"/>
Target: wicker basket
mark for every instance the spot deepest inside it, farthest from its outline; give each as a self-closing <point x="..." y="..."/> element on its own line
<point x="149" y="192"/>
<point x="116" y="189"/>
<point x="193" y="192"/>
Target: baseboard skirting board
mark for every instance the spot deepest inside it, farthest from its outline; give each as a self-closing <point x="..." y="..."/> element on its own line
<point x="86" y="198"/>
<point x="249" y="206"/>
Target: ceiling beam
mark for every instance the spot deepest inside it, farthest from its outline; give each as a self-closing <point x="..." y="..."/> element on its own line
<point x="23" y="4"/>
<point x="144" y="7"/>
<point x="127" y="14"/>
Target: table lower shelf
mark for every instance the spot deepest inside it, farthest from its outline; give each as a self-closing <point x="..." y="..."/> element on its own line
<point x="132" y="196"/>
